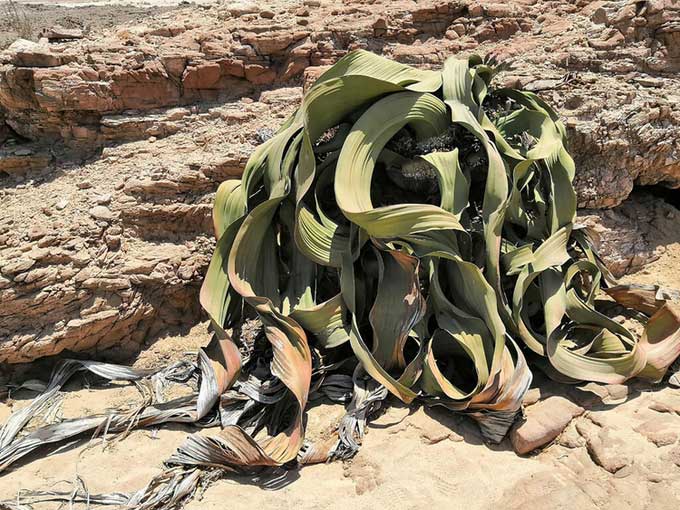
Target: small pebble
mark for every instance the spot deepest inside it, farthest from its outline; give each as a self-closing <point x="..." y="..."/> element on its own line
<point x="103" y="199"/>
<point x="101" y="213"/>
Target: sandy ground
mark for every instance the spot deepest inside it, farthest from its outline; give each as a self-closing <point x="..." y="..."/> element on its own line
<point x="410" y="458"/>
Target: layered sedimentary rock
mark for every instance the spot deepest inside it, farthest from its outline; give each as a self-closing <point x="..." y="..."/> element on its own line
<point x="100" y="256"/>
<point x="633" y="234"/>
<point x="113" y="145"/>
<point x="609" y="66"/>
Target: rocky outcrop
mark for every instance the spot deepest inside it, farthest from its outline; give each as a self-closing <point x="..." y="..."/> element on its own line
<point x="610" y="67"/>
<point x="633" y="234"/>
<point x="113" y="144"/>
<point x="74" y="277"/>
<point x="101" y="256"/>
<point x="19" y="160"/>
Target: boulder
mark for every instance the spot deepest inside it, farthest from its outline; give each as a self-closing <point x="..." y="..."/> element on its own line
<point x="23" y="53"/>
<point x="101" y="212"/>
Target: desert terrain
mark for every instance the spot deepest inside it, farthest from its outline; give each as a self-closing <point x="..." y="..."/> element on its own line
<point x="114" y="139"/>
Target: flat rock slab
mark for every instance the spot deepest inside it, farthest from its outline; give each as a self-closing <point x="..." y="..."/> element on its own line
<point x="544" y="422"/>
<point x="101" y="212"/>
<point x="662" y="430"/>
<point x="24" y="53"/>
<point x="612" y="447"/>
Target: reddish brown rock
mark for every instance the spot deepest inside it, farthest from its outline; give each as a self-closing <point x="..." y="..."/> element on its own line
<point x="174" y="62"/>
<point x="202" y="76"/>
<point x="544" y="421"/>
<point x="104" y="255"/>
<point x="259" y="75"/>
<point x="609" y="41"/>
<point x="23" y="53"/>
<point x="661" y="430"/>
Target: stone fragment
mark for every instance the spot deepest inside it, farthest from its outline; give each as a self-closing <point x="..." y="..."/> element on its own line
<point x="36" y="232"/>
<point x="475" y="10"/>
<point x="259" y="75"/>
<point x="58" y="33"/>
<point x="570" y="438"/>
<point x="544" y="421"/>
<point x="608" y="43"/>
<point x="599" y="16"/>
<point x="617" y="392"/>
<point x="380" y="24"/>
<point x="24" y="53"/>
<point x="531" y="397"/>
<point x="202" y="76"/>
<point x="661" y="430"/>
<point x="242" y="8"/>
<point x="609" y="447"/>
<point x="101" y="212"/>
<point x="16" y="266"/>
<point x="103" y="199"/>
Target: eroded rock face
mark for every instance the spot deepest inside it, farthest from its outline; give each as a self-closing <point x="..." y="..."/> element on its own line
<point x="179" y="103"/>
<point x="609" y="67"/>
<point x="633" y="234"/>
<point x="101" y="256"/>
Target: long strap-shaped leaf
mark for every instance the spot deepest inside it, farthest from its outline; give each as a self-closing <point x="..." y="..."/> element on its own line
<point x="457" y="90"/>
<point x="427" y="115"/>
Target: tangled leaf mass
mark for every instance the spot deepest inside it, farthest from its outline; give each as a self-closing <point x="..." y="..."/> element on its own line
<point x="405" y="231"/>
